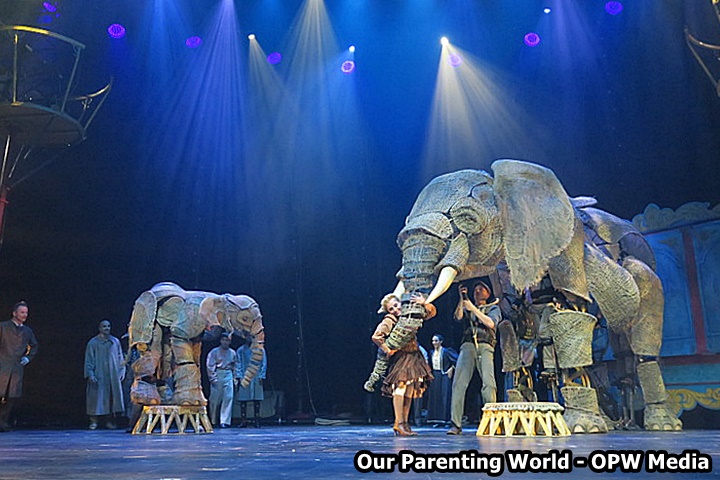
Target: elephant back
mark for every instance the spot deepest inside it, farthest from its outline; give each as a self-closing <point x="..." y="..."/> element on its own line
<point x="614" y="230"/>
<point x="168" y="289"/>
<point x="189" y="323"/>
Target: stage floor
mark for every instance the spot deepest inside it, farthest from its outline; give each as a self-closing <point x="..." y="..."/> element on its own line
<point x="305" y="452"/>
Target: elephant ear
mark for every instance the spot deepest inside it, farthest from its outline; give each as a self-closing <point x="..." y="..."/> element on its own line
<point x="142" y="319"/>
<point x="537" y="218"/>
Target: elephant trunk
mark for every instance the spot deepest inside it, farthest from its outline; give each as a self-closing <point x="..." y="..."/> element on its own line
<point x="421" y="254"/>
<point x="257" y="354"/>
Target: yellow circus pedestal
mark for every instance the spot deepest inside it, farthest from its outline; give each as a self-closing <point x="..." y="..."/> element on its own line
<point x="165" y="415"/>
<point x="526" y="418"/>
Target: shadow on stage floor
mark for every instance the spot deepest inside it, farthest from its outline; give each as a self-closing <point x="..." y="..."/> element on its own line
<point x="307" y="452"/>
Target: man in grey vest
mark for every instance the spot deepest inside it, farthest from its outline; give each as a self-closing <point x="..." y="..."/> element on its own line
<point x="477" y="349"/>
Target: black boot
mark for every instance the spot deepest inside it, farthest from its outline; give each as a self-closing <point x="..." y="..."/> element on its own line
<point x="6" y="407"/>
<point x="243" y="415"/>
<point x="257" y="413"/>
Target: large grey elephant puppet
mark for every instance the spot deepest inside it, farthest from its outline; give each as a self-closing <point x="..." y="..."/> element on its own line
<point x="167" y="327"/>
<point x="463" y="224"/>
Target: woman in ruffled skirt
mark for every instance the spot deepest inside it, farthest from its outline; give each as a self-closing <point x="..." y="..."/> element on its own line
<point x="409" y="373"/>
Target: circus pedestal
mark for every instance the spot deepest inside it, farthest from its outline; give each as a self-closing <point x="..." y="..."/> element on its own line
<point x="523" y="419"/>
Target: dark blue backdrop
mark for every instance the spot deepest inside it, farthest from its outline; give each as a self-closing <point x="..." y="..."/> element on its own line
<point x="185" y="178"/>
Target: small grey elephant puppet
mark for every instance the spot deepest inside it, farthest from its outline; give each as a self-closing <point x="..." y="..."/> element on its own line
<point x="464" y="223"/>
<point x="167" y="327"/>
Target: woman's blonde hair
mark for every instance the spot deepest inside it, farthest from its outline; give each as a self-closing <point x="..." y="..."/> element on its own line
<point x="385" y="300"/>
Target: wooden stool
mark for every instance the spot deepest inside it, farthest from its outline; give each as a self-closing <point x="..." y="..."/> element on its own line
<point x="523" y="418"/>
<point x="165" y="415"/>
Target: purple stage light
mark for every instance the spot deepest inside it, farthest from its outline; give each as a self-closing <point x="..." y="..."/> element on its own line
<point x="274" y="58"/>
<point x="454" y="59"/>
<point x="116" y="30"/>
<point x="49" y="7"/>
<point x="193" y="42"/>
<point x="348" y="67"/>
<point x="613" y="8"/>
<point x="532" y="39"/>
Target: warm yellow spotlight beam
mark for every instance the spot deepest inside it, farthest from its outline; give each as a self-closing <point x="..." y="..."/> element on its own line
<point x="474" y="119"/>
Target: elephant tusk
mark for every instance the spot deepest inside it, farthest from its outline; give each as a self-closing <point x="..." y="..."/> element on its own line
<point x="445" y="279"/>
<point x="399" y="289"/>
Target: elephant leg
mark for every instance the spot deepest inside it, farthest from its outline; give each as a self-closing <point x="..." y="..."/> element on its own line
<point x="658" y="415"/>
<point x="600" y="380"/>
<point x="522" y="390"/>
<point x="572" y="335"/>
<point x="511" y="358"/>
<point x="188" y="390"/>
<point x="582" y="412"/>
<point x="645" y="337"/>
<point x="143" y="392"/>
<point x="165" y="385"/>
<point x="509" y="347"/>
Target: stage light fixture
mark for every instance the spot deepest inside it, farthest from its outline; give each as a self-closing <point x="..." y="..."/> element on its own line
<point x="193" y="42"/>
<point x="116" y="30"/>
<point x="347" y="67"/>
<point x="444" y="41"/>
<point x="49" y="12"/>
<point x="251" y="36"/>
<point x="614" y="8"/>
<point x="352" y="48"/>
<point x="454" y="59"/>
<point x="274" y="58"/>
<point x="546" y="11"/>
<point x="532" y="39"/>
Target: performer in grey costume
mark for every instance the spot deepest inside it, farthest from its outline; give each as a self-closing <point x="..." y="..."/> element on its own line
<point x="104" y="372"/>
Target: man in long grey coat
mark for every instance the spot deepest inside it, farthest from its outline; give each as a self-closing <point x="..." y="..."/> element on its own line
<point x="104" y="371"/>
<point x="17" y="347"/>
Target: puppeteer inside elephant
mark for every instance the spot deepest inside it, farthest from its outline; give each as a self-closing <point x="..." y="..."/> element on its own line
<point x="464" y="224"/>
<point x="167" y="327"/>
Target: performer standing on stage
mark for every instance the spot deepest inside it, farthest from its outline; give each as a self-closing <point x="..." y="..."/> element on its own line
<point x="477" y="350"/>
<point x="220" y="365"/>
<point x="443" y="361"/>
<point x="409" y="373"/>
<point x="18" y="346"/>
<point x="104" y="372"/>
<point x="254" y="392"/>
